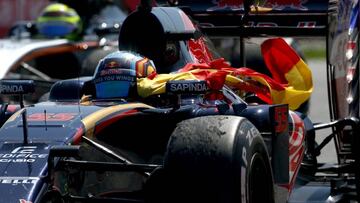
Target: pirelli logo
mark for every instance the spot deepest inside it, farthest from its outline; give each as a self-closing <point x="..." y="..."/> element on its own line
<point x="18" y="180"/>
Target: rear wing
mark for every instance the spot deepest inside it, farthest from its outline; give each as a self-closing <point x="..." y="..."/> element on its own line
<point x="269" y="17"/>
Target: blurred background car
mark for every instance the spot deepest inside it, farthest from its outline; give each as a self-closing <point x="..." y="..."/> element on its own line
<point x="63" y="39"/>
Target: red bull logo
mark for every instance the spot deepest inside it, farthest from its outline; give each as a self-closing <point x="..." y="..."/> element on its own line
<point x="112" y="64"/>
<point x="227" y="4"/>
<point x="283" y="4"/>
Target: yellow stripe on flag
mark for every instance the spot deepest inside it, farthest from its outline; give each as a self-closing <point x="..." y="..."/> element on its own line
<point x="300" y="76"/>
<point x="147" y="87"/>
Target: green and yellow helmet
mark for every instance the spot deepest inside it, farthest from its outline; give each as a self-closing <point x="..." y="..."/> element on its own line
<point x="59" y="21"/>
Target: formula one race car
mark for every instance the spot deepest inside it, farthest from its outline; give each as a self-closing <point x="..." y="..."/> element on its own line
<point x="206" y="132"/>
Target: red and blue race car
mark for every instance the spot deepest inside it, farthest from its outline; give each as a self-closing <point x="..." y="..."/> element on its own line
<point x="191" y="128"/>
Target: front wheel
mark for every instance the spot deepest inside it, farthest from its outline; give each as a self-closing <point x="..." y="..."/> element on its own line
<point x="220" y="159"/>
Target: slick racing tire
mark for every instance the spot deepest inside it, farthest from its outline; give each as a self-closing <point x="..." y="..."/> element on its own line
<point x="220" y="159"/>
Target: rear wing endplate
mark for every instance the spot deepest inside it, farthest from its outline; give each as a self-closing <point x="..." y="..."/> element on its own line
<point x="264" y="18"/>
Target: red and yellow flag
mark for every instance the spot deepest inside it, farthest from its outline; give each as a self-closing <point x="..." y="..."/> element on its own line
<point x="291" y="83"/>
<point x="289" y="70"/>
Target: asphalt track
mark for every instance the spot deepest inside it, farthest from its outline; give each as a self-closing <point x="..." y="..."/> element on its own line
<point x="319" y="107"/>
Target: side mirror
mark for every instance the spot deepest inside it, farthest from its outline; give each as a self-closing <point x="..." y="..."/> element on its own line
<point x="17" y="87"/>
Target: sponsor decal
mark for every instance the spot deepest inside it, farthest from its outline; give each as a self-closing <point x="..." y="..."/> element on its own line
<point x="301" y="24"/>
<point x="266" y="24"/>
<point x="186" y="86"/>
<point x="283" y="4"/>
<point x="24" y="201"/>
<point x="296" y="145"/>
<point x="250" y="135"/>
<point x="281" y="118"/>
<point x="11" y="89"/>
<point x="18" y="180"/>
<point x="253" y="132"/>
<point x="107" y="78"/>
<point x="16" y="87"/>
<point x="112" y="64"/>
<point x="51" y="117"/>
<point x="22" y="154"/>
<point x="227" y="4"/>
<point x="271" y="4"/>
<point x="110" y="72"/>
<point x="309" y="24"/>
<point x="261" y="24"/>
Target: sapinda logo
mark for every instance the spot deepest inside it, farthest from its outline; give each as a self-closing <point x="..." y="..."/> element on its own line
<point x="188" y="87"/>
<point x="11" y="88"/>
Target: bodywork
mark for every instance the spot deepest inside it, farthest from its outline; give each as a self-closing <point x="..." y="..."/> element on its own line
<point x="135" y="133"/>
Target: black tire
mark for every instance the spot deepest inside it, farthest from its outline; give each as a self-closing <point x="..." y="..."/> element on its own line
<point x="217" y="159"/>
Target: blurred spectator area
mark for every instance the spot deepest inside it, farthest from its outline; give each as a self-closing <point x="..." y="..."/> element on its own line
<point x="18" y="10"/>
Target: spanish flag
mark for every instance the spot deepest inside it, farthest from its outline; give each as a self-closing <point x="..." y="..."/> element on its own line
<point x="288" y="70"/>
<point x="291" y="81"/>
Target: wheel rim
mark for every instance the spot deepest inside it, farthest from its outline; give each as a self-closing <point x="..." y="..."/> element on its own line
<point x="260" y="186"/>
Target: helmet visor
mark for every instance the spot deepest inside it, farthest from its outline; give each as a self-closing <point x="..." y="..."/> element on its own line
<point x="56" y="29"/>
<point x="110" y="85"/>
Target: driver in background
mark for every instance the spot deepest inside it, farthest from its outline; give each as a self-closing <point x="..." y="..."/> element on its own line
<point x="59" y="21"/>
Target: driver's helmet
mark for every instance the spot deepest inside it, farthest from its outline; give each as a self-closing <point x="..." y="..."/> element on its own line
<point x="116" y="73"/>
<point x="59" y="21"/>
